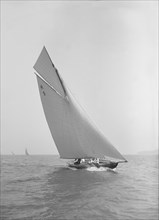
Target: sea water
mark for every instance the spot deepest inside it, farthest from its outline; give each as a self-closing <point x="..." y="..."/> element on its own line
<point x="43" y="187"/>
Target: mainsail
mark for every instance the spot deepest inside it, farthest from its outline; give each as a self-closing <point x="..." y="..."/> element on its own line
<point x="75" y="136"/>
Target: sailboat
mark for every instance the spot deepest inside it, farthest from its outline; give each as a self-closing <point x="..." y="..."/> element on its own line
<point x="26" y="152"/>
<point x="74" y="134"/>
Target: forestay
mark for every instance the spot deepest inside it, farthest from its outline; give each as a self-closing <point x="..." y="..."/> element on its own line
<point x="74" y="134"/>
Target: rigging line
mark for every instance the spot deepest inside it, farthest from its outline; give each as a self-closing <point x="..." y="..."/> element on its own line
<point x="44" y="80"/>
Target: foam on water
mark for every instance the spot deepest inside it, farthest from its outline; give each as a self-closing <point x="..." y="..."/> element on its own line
<point x="97" y="169"/>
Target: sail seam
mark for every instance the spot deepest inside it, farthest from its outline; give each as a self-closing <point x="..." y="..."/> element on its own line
<point x="44" y="80"/>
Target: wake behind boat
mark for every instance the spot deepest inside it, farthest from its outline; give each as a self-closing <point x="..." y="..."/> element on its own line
<point x="74" y="134"/>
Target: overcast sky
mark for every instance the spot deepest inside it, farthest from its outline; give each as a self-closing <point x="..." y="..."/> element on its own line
<point x="106" y="52"/>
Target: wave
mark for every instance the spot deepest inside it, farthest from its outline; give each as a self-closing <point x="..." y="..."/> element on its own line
<point x="101" y="169"/>
<point x="26" y="180"/>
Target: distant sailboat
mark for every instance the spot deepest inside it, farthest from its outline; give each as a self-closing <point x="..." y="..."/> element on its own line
<point x="75" y="136"/>
<point x="26" y="152"/>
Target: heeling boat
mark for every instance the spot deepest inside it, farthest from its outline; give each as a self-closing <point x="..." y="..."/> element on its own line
<point x="74" y="134"/>
<point x="26" y="152"/>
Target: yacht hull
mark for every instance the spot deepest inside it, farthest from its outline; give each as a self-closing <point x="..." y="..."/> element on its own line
<point x="110" y="165"/>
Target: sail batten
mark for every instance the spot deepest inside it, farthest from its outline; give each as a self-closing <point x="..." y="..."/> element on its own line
<point x="75" y="136"/>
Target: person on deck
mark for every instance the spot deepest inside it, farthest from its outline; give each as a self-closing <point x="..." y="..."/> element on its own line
<point x="77" y="161"/>
<point x="97" y="160"/>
